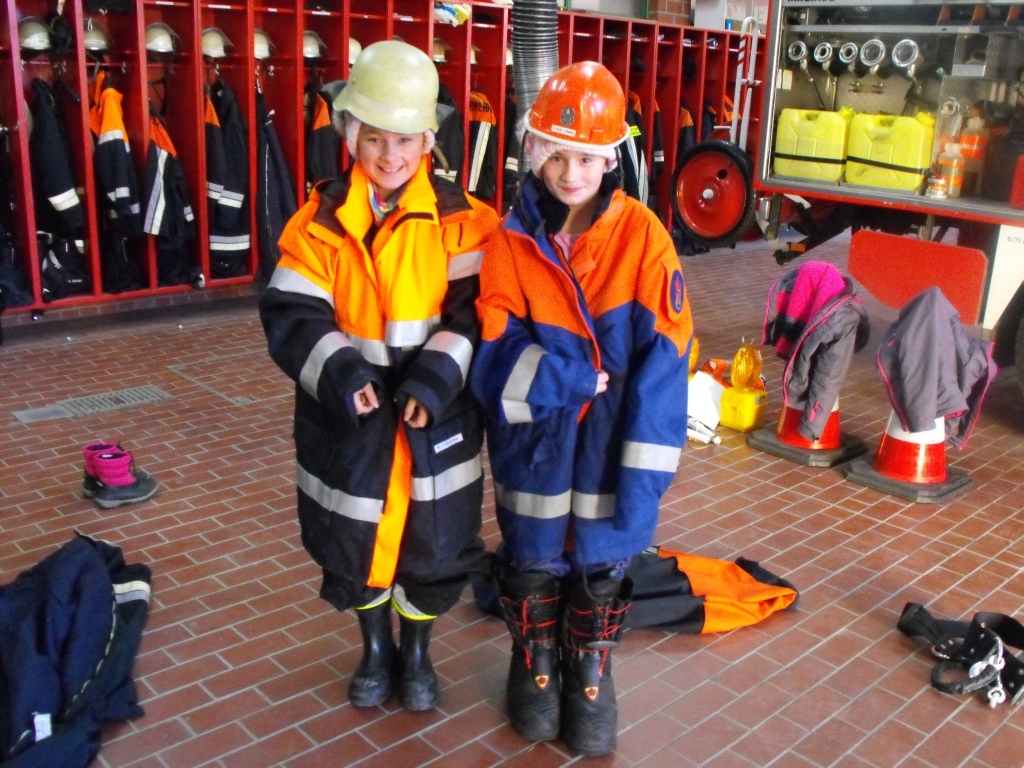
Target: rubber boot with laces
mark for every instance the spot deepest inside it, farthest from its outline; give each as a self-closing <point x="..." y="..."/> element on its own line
<point x="529" y="605"/>
<point x="117" y="484"/>
<point x="591" y="627"/>
<point x="417" y="681"/>
<point x="371" y="683"/>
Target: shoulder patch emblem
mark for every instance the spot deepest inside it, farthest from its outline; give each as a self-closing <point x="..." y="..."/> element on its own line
<point x="676" y="292"/>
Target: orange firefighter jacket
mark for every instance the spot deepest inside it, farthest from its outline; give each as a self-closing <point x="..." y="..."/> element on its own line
<point x="351" y="302"/>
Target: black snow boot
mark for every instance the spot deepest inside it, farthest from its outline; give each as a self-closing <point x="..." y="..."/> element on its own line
<point x="417" y="682"/>
<point x="371" y="682"/>
<point x="529" y="605"/>
<point x="591" y="627"/>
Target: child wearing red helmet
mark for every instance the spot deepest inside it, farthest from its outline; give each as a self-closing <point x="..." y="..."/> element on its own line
<point x="582" y="372"/>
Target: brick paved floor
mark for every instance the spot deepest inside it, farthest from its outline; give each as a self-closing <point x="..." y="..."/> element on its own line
<point x="242" y="666"/>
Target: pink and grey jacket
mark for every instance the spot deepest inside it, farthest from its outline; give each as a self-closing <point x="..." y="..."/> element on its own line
<point x="815" y="322"/>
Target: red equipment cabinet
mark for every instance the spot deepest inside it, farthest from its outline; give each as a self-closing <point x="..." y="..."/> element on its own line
<point x="950" y="60"/>
<point x="647" y="57"/>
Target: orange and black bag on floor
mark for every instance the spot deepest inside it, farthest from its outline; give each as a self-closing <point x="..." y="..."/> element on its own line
<point x="678" y="592"/>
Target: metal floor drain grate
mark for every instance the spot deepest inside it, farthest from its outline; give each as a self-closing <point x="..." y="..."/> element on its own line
<point x="86" y="406"/>
<point x="111" y="401"/>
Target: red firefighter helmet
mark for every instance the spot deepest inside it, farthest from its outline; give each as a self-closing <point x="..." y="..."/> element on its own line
<point x="580" y="106"/>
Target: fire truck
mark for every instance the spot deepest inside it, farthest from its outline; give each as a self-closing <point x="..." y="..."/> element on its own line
<point x="899" y="120"/>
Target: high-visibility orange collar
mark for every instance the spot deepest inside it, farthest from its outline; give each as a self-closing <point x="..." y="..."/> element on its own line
<point x="418" y="197"/>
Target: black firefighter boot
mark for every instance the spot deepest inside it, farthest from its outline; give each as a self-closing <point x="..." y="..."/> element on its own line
<point x="591" y="628"/>
<point x="371" y="682"/>
<point x="529" y="605"/>
<point x="417" y="682"/>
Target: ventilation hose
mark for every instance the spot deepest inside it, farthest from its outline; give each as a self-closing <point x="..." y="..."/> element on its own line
<point x="534" y="55"/>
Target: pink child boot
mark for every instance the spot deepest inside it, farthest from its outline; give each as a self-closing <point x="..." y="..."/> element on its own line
<point x="89" y="453"/>
<point x="117" y="484"/>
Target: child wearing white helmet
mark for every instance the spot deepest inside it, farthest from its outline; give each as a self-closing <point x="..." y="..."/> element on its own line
<point x="371" y="312"/>
<point x="582" y="372"/>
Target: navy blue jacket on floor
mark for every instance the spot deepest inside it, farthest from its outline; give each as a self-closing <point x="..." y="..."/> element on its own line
<point x="69" y="630"/>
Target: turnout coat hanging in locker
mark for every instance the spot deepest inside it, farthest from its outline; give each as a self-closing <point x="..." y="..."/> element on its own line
<point x="168" y="213"/>
<point x="275" y="189"/>
<point x="58" y="207"/>
<point x="115" y="172"/>
<point x="323" y="144"/>
<point x="227" y="183"/>
<point x="483" y="146"/>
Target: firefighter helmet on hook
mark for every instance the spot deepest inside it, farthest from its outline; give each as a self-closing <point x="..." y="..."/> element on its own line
<point x="392" y="86"/>
<point x="214" y="43"/>
<point x="261" y="45"/>
<point x="34" y="35"/>
<point x="95" y="39"/>
<point x="313" y="46"/>
<point x="161" y="40"/>
<point x="581" y="106"/>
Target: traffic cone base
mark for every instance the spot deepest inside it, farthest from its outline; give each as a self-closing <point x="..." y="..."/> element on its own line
<point x="784" y="440"/>
<point x="910" y="465"/>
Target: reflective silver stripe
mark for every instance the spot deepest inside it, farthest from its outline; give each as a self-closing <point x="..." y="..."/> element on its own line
<point x="457" y="347"/>
<point x="372" y="350"/>
<point x="225" y="243"/>
<point x="479" y="151"/>
<point x="401" y="604"/>
<point x="661" y="458"/>
<point x="231" y="199"/>
<point x="122" y="192"/>
<point x="314" y="365"/>
<point x="213" y="190"/>
<point x="409" y="333"/>
<point x="513" y="397"/>
<point x="65" y="200"/>
<point x="465" y="265"/>
<point x="155" y="209"/>
<point x="131" y="590"/>
<point x="448" y="482"/>
<point x="110" y="136"/>
<point x="339" y="502"/>
<point x="533" y="504"/>
<point x="593" y="506"/>
<point x="289" y="280"/>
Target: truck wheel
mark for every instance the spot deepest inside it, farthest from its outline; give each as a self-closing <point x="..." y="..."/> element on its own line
<point x="713" y="194"/>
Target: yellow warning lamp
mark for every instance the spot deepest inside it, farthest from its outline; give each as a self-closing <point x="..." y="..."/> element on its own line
<point x="694" y="355"/>
<point x="745" y="372"/>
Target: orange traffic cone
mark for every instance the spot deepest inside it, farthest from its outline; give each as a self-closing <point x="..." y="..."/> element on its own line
<point x="911" y="465"/>
<point x="785" y="440"/>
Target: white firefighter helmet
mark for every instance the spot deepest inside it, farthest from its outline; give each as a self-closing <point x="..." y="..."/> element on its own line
<point x="440" y="50"/>
<point x="354" y="49"/>
<point x="34" y="35"/>
<point x="261" y="45"/>
<point x="392" y="86"/>
<point x="313" y="46"/>
<point x="214" y="43"/>
<point x="94" y="38"/>
<point x="161" y="39"/>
